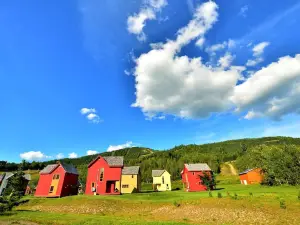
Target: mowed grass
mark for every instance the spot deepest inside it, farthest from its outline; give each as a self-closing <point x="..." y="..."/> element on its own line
<point x="262" y="206"/>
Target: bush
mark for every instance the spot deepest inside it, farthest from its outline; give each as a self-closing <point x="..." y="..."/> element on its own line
<point x="235" y="196"/>
<point x="209" y="194"/>
<point x="282" y="204"/>
<point x="176" y="204"/>
<point x="219" y="195"/>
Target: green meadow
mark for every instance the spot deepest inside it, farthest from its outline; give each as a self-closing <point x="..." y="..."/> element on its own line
<point x="231" y="203"/>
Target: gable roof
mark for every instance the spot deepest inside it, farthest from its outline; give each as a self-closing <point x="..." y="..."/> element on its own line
<point x="112" y="161"/>
<point x="49" y="169"/>
<point x="67" y="167"/>
<point x="157" y="173"/>
<point x="197" y="167"/>
<point x="131" y="170"/>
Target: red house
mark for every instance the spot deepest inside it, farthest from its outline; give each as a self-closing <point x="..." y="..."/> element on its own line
<point x="57" y="180"/>
<point x="191" y="176"/>
<point x="104" y="176"/>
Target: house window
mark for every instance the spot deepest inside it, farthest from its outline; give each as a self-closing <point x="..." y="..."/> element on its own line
<point x="55" y="176"/>
<point x="101" y="174"/>
<point x="193" y="173"/>
<point x="167" y="186"/>
<point x="132" y="176"/>
<point x="51" y="189"/>
<point x="163" y="180"/>
<point x="125" y="186"/>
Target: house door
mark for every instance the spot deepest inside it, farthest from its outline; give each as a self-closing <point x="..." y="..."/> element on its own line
<point x="110" y="186"/>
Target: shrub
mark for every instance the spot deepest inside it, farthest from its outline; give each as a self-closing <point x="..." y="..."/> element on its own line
<point x="210" y="194"/>
<point x="282" y="204"/>
<point x="176" y="204"/>
<point x="219" y="195"/>
<point x="235" y="196"/>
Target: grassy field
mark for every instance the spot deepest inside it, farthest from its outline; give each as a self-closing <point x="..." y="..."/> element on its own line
<point x="239" y="205"/>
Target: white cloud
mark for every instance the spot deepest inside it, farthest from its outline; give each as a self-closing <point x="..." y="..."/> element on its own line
<point x="258" y="49"/>
<point x="226" y="60"/>
<point x="243" y="11"/>
<point x="84" y="111"/>
<point x="220" y="46"/>
<point x="137" y="22"/>
<point x="91" y="115"/>
<point x="73" y="155"/>
<point x="91" y="152"/>
<point x="128" y="144"/>
<point x="273" y="91"/>
<point x="254" y="62"/>
<point x="34" y="155"/>
<point x="60" y="156"/>
<point x="200" y="42"/>
<point x="127" y="72"/>
<point x="179" y="85"/>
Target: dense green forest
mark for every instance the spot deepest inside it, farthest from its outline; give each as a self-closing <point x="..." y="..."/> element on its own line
<point x="243" y="151"/>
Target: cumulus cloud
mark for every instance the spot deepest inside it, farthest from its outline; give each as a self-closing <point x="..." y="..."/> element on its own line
<point x="112" y="148"/>
<point x="91" y="115"/>
<point x="258" y="50"/>
<point x="226" y="60"/>
<point x="34" y="155"/>
<point x="180" y="85"/>
<point x="273" y="91"/>
<point x="91" y="152"/>
<point x="73" y="155"/>
<point x="137" y="22"/>
<point x="60" y="156"/>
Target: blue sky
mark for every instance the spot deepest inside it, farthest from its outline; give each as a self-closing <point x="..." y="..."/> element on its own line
<point x="86" y="75"/>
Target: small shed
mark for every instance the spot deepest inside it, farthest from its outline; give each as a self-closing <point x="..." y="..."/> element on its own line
<point x="161" y="180"/>
<point x="57" y="180"/>
<point x="131" y="179"/>
<point x="191" y="176"/>
<point x="251" y="176"/>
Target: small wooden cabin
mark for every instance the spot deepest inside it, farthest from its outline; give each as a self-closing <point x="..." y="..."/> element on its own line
<point x="131" y="179"/>
<point x="5" y="181"/>
<point x="57" y="180"/>
<point x="161" y="180"/>
<point x="251" y="176"/>
<point x="104" y="176"/>
<point x="191" y="176"/>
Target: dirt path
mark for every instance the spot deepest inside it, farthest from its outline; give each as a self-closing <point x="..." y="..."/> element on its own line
<point x="232" y="169"/>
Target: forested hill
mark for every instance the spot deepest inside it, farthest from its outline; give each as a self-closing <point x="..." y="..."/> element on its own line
<point x="173" y="159"/>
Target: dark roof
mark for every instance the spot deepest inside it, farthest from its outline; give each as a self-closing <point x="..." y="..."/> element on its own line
<point x="131" y="170"/>
<point x="67" y="167"/>
<point x="197" y="167"/>
<point x="157" y="173"/>
<point x="246" y="171"/>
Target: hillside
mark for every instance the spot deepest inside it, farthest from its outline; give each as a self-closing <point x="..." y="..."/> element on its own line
<point x="173" y="159"/>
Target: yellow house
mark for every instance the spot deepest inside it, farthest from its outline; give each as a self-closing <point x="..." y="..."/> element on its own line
<point x="161" y="180"/>
<point x="131" y="179"/>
